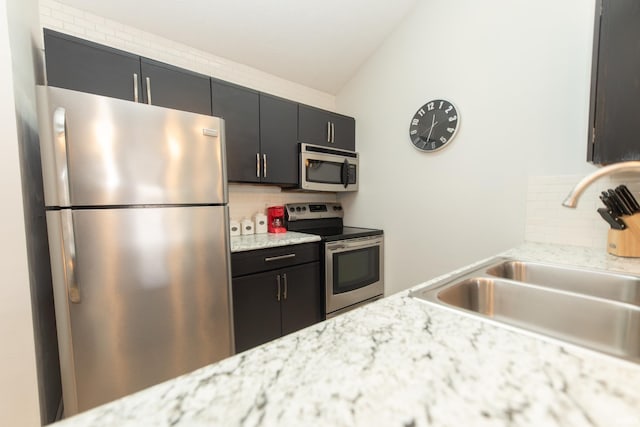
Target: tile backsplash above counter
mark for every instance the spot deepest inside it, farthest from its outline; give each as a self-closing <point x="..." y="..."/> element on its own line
<point x="246" y="200"/>
<point x="549" y="222"/>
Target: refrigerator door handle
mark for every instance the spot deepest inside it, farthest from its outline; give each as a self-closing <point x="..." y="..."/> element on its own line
<point x="60" y="137"/>
<point x="69" y="255"/>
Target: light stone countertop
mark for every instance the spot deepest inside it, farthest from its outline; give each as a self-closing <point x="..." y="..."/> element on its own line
<point x="270" y="240"/>
<point x="401" y="362"/>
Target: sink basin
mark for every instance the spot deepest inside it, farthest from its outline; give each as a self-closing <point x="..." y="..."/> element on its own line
<point x="590" y="308"/>
<point x="602" y="284"/>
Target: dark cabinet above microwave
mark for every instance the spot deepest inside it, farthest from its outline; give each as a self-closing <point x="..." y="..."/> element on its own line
<point x="320" y="127"/>
<point x="614" y="125"/>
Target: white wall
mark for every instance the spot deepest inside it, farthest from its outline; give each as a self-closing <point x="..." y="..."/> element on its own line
<point x="18" y="385"/>
<point x="519" y="73"/>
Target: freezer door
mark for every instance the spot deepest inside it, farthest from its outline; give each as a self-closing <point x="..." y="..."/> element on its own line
<point x="142" y="295"/>
<point x="113" y="152"/>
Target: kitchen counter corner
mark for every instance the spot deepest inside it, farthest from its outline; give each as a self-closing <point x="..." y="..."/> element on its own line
<point x="270" y="240"/>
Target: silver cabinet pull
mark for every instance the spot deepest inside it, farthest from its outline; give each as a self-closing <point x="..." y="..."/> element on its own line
<point x="278" y="280"/>
<point x="148" y="90"/>
<point x="264" y="165"/>
<point x="257" y="165"/>
<point x="328" y="131"/>
<point x="135" y="87"/>
<point x="333" y="133"/>
<point x="277" y="258"/>
<point x="284" y="276"/>
<point x="69" y="254"/>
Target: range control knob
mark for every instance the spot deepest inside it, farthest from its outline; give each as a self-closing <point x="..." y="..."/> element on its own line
<point x="298" y="209"/>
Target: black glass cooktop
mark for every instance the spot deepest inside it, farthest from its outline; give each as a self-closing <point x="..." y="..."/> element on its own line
<point x="331" y="234"/>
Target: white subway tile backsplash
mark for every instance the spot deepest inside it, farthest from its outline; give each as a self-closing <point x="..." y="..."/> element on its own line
<point x="548" y="221"/>
<point x="247" y="200"/>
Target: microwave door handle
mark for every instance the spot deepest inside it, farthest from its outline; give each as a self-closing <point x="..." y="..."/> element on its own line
<point x="345" y="174"/>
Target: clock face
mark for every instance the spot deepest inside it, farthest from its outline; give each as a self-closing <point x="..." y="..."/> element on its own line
<point x="434" y="125"/>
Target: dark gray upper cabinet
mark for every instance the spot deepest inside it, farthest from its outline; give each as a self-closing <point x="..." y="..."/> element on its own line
<point x="614" y="131"/>
<point x="84" y="66"/>
<point x="240" y="109"/>
<point x="320" y="127"/>
<point x="89" y="67"/>
<point x="279" y="140"/>
<point x="172" y="87"/>
<point x="262" y="131"/>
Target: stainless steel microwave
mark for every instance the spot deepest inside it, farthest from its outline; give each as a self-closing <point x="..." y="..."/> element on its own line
<point x="328" y="169"/>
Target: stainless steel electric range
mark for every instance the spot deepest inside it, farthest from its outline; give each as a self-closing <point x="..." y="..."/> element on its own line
<point x="353" y="256"/>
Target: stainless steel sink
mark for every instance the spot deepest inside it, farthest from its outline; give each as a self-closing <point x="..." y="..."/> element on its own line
<point x="590" y="308"/>
<point x="602" y="284"/>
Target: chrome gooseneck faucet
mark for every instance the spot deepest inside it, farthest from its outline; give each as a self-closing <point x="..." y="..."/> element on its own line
<point x="572" y="199"/>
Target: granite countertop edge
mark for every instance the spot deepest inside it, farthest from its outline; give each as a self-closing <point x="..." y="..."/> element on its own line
<point x="269" y="240"/>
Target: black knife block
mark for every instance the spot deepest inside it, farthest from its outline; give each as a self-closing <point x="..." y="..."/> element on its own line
<point x="626" y="243"/>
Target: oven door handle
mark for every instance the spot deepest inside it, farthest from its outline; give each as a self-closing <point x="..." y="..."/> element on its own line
<point x="355" y="245"/>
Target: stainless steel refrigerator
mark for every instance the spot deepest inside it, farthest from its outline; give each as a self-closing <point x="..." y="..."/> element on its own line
<point x="137" y="217"/>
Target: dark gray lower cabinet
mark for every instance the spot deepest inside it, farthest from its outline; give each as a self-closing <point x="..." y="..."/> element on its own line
<point x="273" y="303"/>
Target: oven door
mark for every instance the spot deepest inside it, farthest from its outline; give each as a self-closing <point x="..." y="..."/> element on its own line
<point x="327" y="169"/>
<point x="353" y="271"/>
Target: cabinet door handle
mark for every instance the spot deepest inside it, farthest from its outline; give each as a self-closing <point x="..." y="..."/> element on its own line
<point x="278" y="258"/>
<point x="148" y="90"/>
<point x="328" y="131"/>
<point x="278" y="280"/>
<point x="135" y="87"/>
<point x="333" y="132"/>
<point x="264" y="165"/>
<point x="257" y="165"/>
<point x="285" y="285"/>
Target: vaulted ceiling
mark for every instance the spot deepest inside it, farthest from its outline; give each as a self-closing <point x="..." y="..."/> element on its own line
<point x="317" y="43"/>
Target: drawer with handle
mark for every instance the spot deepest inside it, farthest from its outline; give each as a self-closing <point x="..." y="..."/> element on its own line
<point x="249" y="262"/>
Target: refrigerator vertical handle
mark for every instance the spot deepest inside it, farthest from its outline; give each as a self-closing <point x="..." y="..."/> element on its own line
<point x="60" y="138"/>
<point x="148" y="90"/>
<point x="135" y="87"/>
<point x="69" y="255"/>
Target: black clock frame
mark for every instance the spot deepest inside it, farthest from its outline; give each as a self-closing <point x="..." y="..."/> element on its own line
<point x="434" y="125"/>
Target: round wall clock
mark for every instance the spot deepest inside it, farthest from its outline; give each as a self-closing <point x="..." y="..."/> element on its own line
<point x="434" y="125"/>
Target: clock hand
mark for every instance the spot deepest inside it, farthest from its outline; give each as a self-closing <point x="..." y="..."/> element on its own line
<point x="433" y="123"/>
<point x="429" y="128"/>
